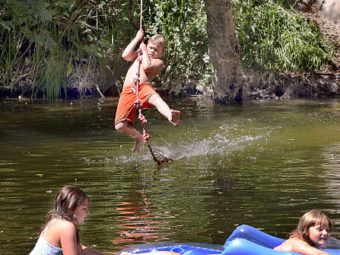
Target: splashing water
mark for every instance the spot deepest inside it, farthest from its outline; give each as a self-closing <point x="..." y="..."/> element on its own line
<point x="220" y="142"/>
<point x="211" y="146"/>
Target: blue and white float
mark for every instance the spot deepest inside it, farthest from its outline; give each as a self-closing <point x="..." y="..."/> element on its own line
<point x="245" y="240"/>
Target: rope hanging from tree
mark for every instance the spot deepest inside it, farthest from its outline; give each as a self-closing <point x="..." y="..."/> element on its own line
<point x="138" y="105"/>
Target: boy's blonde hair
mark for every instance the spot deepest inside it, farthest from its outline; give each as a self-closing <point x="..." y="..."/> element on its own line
<point x="158" y="40"/>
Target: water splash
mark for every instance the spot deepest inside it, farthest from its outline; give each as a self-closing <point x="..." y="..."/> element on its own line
<point x="220" y="142"/>
<point x="207" y="147"/>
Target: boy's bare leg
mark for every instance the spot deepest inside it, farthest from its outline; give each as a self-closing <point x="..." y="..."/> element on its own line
<point x="138" y="147"/>
<point x="124" y="128"/>
<point x="172" y="115"/>
<point x="175" y="117"/>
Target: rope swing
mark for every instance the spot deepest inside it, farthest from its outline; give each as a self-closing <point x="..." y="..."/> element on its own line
<point x="138" y="105"/>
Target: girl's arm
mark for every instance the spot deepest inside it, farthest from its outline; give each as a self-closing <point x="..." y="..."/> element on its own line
<point x="129" y="54"/>
<point x="304" y="248"/>
<point x="68" y="239"/>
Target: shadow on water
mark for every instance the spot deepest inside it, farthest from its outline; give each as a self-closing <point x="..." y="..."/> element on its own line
<point x="261" y="164"/>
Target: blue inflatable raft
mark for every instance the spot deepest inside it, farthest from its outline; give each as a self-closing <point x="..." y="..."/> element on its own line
<point x="245" y="240"/>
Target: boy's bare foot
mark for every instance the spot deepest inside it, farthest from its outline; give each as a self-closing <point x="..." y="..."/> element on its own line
<point x="175" y="120"/>
<point x="138" y="146"/>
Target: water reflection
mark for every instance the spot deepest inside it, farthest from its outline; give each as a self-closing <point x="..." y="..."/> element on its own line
<point x="332" y="177"/>
<point x="137" y="223"/>
<point x="261" y="164"/>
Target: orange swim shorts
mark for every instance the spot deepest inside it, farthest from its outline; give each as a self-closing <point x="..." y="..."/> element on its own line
<point x="125" y="109"/>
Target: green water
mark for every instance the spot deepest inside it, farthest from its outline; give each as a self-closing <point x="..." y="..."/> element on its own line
<point x="261" y="164"/>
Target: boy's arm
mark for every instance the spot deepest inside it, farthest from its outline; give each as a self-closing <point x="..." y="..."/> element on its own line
<point x="129" y="54"/>
<point x="150" y="65"/>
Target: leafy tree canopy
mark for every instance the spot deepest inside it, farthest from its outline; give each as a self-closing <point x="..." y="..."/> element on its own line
<point x="48" y="46"/>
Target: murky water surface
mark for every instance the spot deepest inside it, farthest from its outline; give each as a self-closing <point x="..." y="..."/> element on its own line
<point x="261" y="164"/>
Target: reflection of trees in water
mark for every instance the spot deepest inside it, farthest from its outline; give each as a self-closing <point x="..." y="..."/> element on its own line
<point x="137" y="222"/>
<point x="332" y="166"/>
<point x="332" y="180"/>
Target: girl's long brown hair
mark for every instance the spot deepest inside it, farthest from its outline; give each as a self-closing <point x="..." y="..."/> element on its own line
<point x="67" y="200"/>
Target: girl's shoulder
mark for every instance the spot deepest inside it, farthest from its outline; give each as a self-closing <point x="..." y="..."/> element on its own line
<point x="299" y="245"/>
<point x="56" y="229"/>
<point x="61" y="225"/>
<point x="297" y="240"/>
<point x="64" y="229"/>
<point x="290" y="244"/>
<point x="65" y="224"/>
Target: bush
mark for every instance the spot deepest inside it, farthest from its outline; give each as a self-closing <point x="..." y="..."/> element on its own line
<point x="271" y="38"/>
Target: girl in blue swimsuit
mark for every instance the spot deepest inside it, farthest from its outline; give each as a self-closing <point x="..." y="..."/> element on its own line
<point x="60" y="235"/>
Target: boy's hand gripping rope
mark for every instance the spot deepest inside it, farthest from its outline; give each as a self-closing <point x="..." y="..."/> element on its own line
<point x="142" y="118"/>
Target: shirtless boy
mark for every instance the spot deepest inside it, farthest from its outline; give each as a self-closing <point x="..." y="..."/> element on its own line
<point x="150" y="66"/>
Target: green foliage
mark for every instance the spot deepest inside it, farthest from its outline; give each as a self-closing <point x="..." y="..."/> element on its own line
<point x="272" y="38"/>
<point x="54" y="75"/>
<point x="41" y="31"/>
<point x="43" y="43"/>
<point x="183" y="23"/>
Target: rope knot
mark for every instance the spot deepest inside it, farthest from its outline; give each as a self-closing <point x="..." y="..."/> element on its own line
<point x="142" y="118"/>
<point x="146" y="136"/>
<point x="137" y="104"/>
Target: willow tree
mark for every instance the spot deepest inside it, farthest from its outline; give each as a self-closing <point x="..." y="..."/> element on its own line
<point x="223" y="51"/>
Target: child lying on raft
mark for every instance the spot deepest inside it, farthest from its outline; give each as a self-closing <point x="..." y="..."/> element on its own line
<point x="312" y="233"/>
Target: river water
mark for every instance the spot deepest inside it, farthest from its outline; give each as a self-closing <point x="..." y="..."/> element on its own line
<point x="260" y="163"/>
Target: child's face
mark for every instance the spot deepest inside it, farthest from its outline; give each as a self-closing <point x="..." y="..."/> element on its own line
<point x="319" y="234"/>
<point x="154" y="51"/>
<point x="81" y="212"/>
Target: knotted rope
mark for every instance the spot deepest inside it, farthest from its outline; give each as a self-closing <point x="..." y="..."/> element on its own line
<point x="138" y="105"/>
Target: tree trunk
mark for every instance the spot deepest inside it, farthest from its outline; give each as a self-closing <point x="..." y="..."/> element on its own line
<point x="223" y="51"/>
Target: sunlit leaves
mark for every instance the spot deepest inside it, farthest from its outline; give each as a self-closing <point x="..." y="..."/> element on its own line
<point x="272" y="38"/>
<point x="53" y="28"/>
<point x="183" y="23"/>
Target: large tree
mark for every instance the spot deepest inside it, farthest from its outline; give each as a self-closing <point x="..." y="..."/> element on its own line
<point x="223" y="51"/>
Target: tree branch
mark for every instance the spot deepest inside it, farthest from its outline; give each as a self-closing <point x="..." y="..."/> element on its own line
<point x="131" y="11"/>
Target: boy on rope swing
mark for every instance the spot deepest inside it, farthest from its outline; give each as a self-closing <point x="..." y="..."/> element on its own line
<point x="146" y="65"/>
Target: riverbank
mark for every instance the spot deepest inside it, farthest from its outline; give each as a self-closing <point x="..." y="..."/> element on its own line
<point x="255" y="87"/>
<point x="290" y="85"/>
